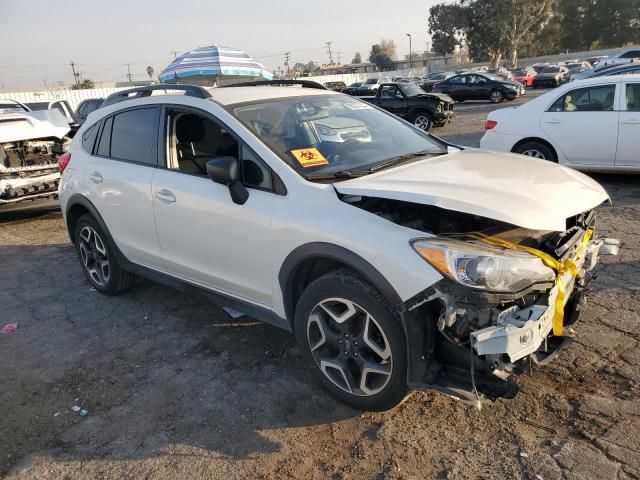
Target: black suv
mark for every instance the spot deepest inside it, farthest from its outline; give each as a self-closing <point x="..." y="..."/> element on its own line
<point x="479" y="86"/>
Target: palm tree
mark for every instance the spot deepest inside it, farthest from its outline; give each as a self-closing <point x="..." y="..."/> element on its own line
<point x="150" y="72"/>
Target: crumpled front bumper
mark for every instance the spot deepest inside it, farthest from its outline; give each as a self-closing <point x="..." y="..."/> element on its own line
<point x="521" y="332"/>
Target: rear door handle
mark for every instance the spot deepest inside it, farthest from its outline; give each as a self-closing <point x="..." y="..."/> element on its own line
<point x="632" y="121"/>
<point x="95" y="177"/>
<point x="165" y="196"/>
<point x="553" y="121"/>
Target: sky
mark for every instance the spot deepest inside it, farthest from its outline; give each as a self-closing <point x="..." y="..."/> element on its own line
<point x="40" y="38"/>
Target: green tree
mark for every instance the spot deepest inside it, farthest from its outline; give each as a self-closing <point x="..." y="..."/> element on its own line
<point x="447" y="25"/>
<point x="357" y="58"/>
<point x="85" y="84"/>
<point x="382" y="54"/>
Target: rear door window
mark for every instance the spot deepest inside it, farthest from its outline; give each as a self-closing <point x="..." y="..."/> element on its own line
<point x="632" y="99"/>
<point x="133" y="135"/>
<point x="593" y="99"/>
<point x="104" y="147"/>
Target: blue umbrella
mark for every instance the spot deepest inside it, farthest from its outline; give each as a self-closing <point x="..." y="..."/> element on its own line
<point x="212" y="62"/>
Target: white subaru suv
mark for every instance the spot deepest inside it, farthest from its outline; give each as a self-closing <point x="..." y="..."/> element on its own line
<point x="398" y="261"/>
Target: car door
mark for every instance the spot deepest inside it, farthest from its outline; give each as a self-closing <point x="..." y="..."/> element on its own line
<point x="457" y="87"/>
<point x="206" y="238"/>
<point x="392" y="99"/>
<point x="583" y="125"/>
<point x="628" y="153"/>
<point x="118" y="182"/>
<point x="477" y="87"/>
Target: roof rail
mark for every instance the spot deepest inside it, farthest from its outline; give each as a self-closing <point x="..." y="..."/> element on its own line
<point x="138" y="92"/>
<point x="278" y="83"/>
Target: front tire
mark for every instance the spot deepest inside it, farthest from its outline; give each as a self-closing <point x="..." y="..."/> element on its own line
<point x="422" y="120"/>
<point x="352" y="341"/>
<point x="96" y="252"/>
<point x="496" y="96"/>
<point x="536" y="150"/>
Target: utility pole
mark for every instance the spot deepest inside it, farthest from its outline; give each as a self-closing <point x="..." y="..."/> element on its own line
<point x="129" y="76"/>
<point x="328" y="44"/>
<point x="75" y="75"/>
<point x="45" y="82"/>
<point x="286" y="61"/>
<point x="175" y="53"/>
<point x="410" y="59"/>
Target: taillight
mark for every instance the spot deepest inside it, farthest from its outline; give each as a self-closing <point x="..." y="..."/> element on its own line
<point x="63" y="161"/>
<point x="489" y="124"/>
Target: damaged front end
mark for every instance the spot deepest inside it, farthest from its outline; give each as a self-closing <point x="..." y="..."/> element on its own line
<point x="30" y="144"/>
<point x="506" y="295"/>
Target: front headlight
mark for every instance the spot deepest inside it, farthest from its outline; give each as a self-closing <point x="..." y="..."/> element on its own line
<point x="484" y="268"/>
<point x="511" y="87"/>
<point x="327" y="132"/>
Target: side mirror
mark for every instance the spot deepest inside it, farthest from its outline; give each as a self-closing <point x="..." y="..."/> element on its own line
<point x="226" y="170"/>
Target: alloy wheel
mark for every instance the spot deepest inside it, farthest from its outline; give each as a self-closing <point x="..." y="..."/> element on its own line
<point x="94" y="255"/>
<point x="532" y="152"/>
<point x="349" y="346"/>
<point x="422" y="122"/>
<point x="496" y="97"/>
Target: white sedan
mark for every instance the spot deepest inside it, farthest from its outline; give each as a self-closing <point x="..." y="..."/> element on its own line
<point x="589" y="124"/>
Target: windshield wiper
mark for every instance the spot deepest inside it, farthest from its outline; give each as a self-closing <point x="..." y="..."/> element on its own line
<point x="401" y="159"/>
<point x="339" y="174"/>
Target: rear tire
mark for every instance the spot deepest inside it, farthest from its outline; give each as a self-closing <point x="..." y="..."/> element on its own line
<point x="96" y="252"/>
<point x="536" y="150"/>
<point x="352" y="341"/>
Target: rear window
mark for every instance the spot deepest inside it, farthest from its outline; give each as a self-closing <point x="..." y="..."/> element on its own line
<point x="133" y="135"/>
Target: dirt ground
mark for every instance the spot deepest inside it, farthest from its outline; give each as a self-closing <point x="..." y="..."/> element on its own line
<point x="174" y="388"/>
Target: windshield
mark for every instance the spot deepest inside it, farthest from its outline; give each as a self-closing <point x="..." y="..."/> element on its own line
<point x="371" y="81"/>
<point x="519" y="73"/>
<point x="411" y="89"/>
<point x="437" y="76"/>
<point x="38" y="105"/>
<point x="329" y="134"/>
<point x="551" y="70"/>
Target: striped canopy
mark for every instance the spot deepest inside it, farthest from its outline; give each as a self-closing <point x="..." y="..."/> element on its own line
<point x="212" y="62"/>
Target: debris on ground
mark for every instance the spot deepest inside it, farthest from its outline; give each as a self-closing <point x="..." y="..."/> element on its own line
<point x="75" y="408"/>
<point x="9" y="328"/>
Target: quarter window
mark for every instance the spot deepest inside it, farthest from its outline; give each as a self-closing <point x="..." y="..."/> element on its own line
<point x="633" y="97"/>
<point x="254" y="172"/>
<point x="104" y="147"/>
<point x="133" y="135"/>
<point x="593" y="99"/>
<point x="89" y="137"/>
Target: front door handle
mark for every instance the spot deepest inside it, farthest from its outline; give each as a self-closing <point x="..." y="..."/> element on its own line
<point x="553" y="121"/>
<point x="95" y="177"/>
<point x="165" y="196"/>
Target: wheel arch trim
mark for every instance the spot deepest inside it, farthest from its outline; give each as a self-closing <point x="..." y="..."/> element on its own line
<point x="330" y="251"/>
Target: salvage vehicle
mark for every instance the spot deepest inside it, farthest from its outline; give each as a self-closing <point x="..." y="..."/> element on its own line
<point x="589" y="124"/>
<point x="430" y="80"/>
<point x="501" y="72"/>
<point x="632" y="67"/>
<point x="524" y="76"/>
<point x="399" y="261"/>
<point x="551" y="77"/>
<point x="408" y="101"/>
<point x="480" y="86"/>
<point x="370" y="86"/>
<point x="85" y="107"/>
<point x="335" y="86"/>
<point x="352" y="89"/>
<point x="62" y="106"/>
<point x="622" y="57"/>
<point x="30" y="144"/>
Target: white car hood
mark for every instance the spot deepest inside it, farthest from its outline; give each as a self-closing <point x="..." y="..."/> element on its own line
<point x="15" y="127"/>
<point x="522" y="191"/>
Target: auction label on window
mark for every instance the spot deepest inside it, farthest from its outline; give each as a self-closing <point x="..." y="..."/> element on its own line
<point x="309" y="157"/>
<point x="357" y="106"/>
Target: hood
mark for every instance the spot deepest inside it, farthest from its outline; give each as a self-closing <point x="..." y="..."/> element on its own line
<point x="440" y="96"/>
<point x="522" y="191"/>
<point x="15" y="127"/>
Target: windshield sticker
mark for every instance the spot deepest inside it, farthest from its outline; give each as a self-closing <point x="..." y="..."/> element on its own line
<point x="357" y="106"/>
<point x="309" y="157"/>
